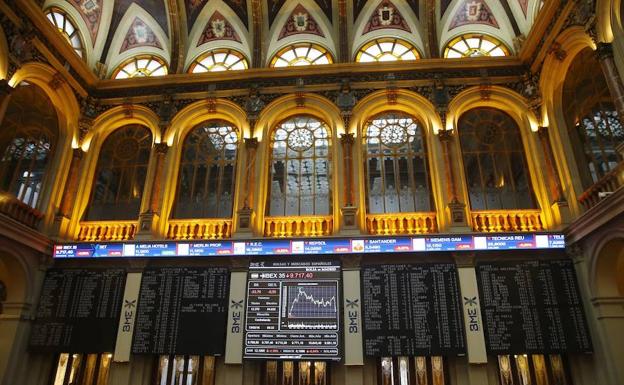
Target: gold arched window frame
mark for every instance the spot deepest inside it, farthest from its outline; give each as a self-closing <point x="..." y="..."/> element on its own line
<point x="67" y="27"/>
<point x="141" y="66"/>
<point x="475" y="45"/>
<point x="301" y="54"/>
<point x="387" y="49"/>
<point x="219" y="60"/>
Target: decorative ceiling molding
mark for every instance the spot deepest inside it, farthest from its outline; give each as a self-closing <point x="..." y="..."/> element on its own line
<point x="386" y="16"/>
<point x="273" y="8"/>
<point x="91" y="12"/>
<point x="444" y="4"/>
<point x="300" y="21"/>
<point x="240" y="9"/>
<point x="474" y="12"/>
<point x="218" y="28"/>
<point x="326" y="7"/>
<point x="524" y="4"/>
<point x="139" y="35"/>
<point x="415" y="6"/>
<point x="193" y="9"/>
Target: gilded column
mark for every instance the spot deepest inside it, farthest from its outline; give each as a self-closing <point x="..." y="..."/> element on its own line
<point x="146" y="219"/>
<point x="5" y="96"/>
<point x="604" y="52"/>
<point x="63" y="215"/>
<point x="553" y="175"/>
<point x="348" y="210"/>
<point x="244" y="214"/>
<point x="456" y="207"/>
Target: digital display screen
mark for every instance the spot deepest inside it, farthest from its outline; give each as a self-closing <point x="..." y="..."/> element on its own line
<point x="532" y="307"/>
<point x="78" y="311"/>
<point x="293" y="310"/>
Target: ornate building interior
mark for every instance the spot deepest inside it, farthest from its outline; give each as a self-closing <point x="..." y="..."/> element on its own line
<point x="146" y="144"/>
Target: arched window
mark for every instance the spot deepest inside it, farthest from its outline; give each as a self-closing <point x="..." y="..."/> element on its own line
<point x="300" y="168"/>
<point x="475" y="46"/>
<point x="397" y="173"/>
<point x="65" y="26"/>
<point x="207" y="172"/>
<point x="594" y="127"/>
<point x="388" y="49"/>
<point x="219" y="60"/>
<point x="27" y="139"/>
<point x="495" y="165"/>
<point x="120" y="175"/>
<point x="141" y="66"/>
<point x="302" y="54"/>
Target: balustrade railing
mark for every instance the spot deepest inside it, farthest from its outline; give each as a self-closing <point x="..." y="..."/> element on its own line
<point x="401" y="223"/>
<point x="494" y="221"/>
<point x="19" y="211"/>
<point x="107" y="231"/>
<point x="313" y="226"/>
<point x="601" y="189"/>
<point x="183" y="229"/>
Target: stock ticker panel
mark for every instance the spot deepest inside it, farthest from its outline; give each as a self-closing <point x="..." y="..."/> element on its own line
<point x="411" y="310"/>
<point x="293" y="310"/>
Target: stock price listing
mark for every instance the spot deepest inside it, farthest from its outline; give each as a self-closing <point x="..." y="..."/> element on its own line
<point x="293" y="310"/>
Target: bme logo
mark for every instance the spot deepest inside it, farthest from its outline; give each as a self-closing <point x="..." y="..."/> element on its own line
<point x="128" y="315"/>
<point x="473" y="313"/>
<point x="236" y="316"/>
<point x="353" y="314"/>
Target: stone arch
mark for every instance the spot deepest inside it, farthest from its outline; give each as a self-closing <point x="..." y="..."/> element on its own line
<point x="181" y="125"/>
<point x="516" y="106"/>
<point x="280" y="110"/>
<point x="420" y="108"/>
<point x="103" y="126"/>
<point x="67" y="109"/>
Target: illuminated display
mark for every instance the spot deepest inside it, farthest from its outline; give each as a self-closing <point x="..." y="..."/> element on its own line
<point x="293" y="310"/>
<point x="319" y="246"/>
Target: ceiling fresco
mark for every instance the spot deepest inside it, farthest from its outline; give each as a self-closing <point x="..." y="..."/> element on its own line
<point x="145" y="26"/>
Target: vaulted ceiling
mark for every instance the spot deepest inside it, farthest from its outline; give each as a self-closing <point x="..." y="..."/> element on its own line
<point x="178" y="31"/>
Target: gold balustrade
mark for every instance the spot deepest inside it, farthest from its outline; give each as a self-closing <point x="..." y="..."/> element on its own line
<point x="494" y="221"/>
<point x="401" y="223"/>
<point x="19" y="211"/>
<point x="607" y="184"/>
<point x="312" y="226"/>
<point x="107" y="231"/>
<point x="183" y="229"/>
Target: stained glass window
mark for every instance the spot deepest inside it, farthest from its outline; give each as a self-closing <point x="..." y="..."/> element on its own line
<point x="219" y="60"/>
<point x="475" y="46"/>
<point x="301" y="55"/>
<point x="207" y="172"/>
<point x="300" y="168"/>
<point x="120" y="175"/>
<point x="397" y="171"/>
<point x="141" y="66"/>
<point x="390" y="49"/>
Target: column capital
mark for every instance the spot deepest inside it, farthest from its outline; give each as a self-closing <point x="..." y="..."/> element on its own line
<point x="5" y="88"/>
<point x="251" y="143"/>
<point x="347" y="138"/>
<point x="604" y="51"/>
<point x="446" y="135"/>
<point x="161" y="148"/>
<point x="77" y="153"/>
<point x="464" y="259"/>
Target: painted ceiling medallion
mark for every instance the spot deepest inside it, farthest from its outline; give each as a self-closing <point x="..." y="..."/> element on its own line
<point x="386" y="16"/>
<point x="218" y="28"/>
<point x="91" y="12"/>
<point x="474" y="12"/>
<point x="139" y="35"/>
<point x="300" y="21"/>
